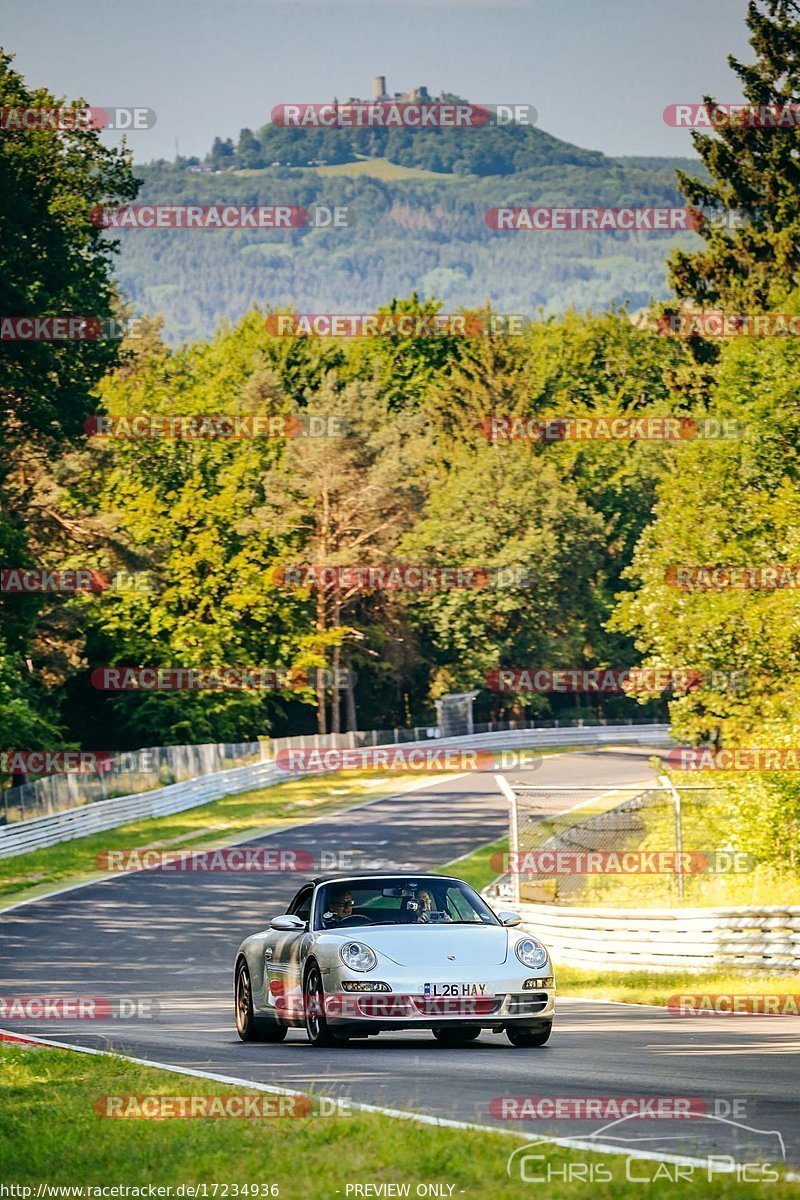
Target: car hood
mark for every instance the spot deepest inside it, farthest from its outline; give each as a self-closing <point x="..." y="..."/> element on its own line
<point x="435" y="945"/>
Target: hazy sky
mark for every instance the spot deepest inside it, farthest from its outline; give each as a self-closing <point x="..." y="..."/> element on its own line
<point x="600" y="72"/>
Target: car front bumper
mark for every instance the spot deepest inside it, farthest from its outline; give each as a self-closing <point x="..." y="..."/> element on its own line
<point x="414" y="1004"/>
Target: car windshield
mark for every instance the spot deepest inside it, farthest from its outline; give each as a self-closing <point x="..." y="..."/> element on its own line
<point x="417" y="900"/>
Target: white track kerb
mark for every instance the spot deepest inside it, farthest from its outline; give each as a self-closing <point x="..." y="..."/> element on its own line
<point x="395" y="1113"/>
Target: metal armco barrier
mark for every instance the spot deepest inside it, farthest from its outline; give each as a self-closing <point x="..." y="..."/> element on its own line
<point x="23" y="836"/>
<point x="663" y="939"/>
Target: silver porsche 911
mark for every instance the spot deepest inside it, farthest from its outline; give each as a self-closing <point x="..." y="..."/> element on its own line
<point x="358" y="955"/>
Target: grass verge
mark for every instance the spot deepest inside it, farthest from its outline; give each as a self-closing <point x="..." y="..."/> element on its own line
<point x="476" y="867"/>
<point x="52" y="1133"/>
<point x="382" y="168"/>
<point x="649" y="987"/>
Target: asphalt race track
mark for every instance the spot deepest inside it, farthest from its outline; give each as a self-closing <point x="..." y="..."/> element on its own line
<point x="172" y="937"/>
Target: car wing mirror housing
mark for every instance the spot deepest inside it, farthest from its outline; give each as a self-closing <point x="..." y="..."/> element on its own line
<point x="510" y="918"/>
<point x="287" y="924"/>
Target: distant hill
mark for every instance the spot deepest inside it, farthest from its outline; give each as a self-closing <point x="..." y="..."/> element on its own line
<point x="484" y="151"/>
<point x="420" y="200"/>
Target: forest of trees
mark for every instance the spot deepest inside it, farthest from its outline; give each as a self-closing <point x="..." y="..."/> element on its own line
<point x="409" y="235"/>
<point x="593" y="527"/>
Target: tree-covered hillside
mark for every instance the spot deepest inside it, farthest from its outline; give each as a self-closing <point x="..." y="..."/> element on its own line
<point x="412" y="234"/>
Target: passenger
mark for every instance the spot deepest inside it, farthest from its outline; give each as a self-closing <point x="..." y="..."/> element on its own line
<point x="427" y="906"/>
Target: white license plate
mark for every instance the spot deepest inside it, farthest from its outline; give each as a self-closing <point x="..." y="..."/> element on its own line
<point x="456" y="989"/>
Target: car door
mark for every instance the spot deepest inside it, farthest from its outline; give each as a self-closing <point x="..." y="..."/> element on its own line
<point x="283" y="962"/>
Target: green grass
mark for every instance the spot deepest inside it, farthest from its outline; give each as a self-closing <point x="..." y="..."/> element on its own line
<point x="705" y="828"/>
<point x="381" y="168"/>
<point x="650" y="987"/>
<point x="51" y="1133"/>
<point x="372" y="168"/>
<point x="216" y="824"/>
<point x="476" y="868"/>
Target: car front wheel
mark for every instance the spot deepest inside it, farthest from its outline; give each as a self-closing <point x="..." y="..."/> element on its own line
<point x="529" y="1035"/>
<point x="317" y="1028"/>
<point x="250" y="1027"/>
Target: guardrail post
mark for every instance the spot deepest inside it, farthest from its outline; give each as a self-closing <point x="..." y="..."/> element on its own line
<point x="513" y="834"/>
<point x="667" y="783"/>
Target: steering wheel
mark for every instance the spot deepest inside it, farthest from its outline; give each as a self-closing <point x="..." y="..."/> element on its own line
<point x="355" y="919"/>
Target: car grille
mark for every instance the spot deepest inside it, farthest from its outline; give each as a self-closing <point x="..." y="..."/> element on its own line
<point x="457" y="1006"/>
<point x="527" y="1005"/>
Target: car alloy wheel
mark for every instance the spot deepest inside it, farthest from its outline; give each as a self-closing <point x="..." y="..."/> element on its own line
<point x="314" y="998"/>
<point x="249" y="1027"/>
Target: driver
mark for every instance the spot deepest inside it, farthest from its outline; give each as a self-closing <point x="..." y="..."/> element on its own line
<point x="342" y="905"/>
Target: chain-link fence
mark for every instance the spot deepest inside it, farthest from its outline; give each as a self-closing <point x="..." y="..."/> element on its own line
<point x="123" y="775"/>
<point x="126" y="773"/>
<point x="627" y="845"/>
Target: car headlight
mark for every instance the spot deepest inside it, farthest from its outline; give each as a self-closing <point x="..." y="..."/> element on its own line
<point x="531" y="953"/>
<point x="357" y="956"/>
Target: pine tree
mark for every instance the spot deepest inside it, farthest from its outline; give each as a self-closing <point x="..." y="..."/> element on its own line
<point x="755" y="179"/>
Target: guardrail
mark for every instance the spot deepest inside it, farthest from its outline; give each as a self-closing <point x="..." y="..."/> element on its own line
<point x="24" y="836"/>
<point x="122" y="775"/>
<point x="743" y="938"/>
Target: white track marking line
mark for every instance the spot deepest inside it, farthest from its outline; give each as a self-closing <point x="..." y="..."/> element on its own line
<point x="396" y="1113"/>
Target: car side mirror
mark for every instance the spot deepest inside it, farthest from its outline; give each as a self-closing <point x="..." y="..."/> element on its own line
<point x="287" y="924"/>
<point x="509" y="918"/>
